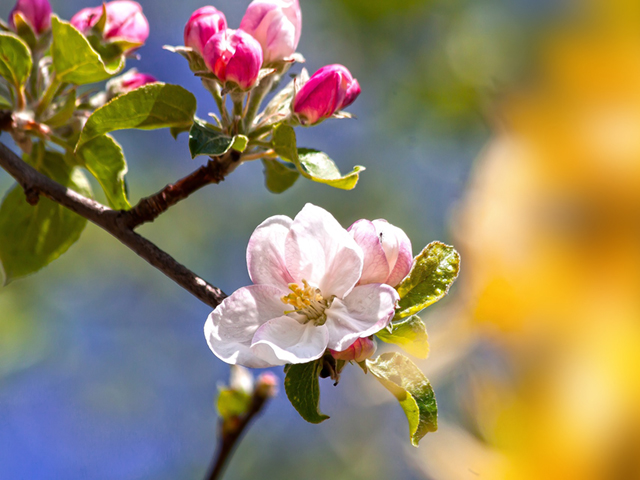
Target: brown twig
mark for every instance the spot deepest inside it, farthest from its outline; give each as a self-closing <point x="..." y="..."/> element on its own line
<point x="114" y="222"/>
<point x="150" y="208"/>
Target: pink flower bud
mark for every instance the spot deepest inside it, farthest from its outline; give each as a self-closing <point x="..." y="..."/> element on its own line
<point x="359" y="351"/>
<point x="387" y="251"/>
<point x="36" y="12"/>
<point x="234" y="56"/>
<point x="329" y="90"/>
<point x="276" y="24"/>
<point x="128" y="82"/>
<point x="203" y="24"/>
<point x="125" y="21"/>
<point x="267" y="385"/>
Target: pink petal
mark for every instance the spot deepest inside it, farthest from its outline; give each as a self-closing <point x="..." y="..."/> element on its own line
<point x="320" y="251"/>
<point x="376" y="267"/>
<point x="265" y="252"/>
<point x="232" y="325"/>
<point x="365" y="311"/>
<point x="397" y="248"/>
<point x="285" y="340"/>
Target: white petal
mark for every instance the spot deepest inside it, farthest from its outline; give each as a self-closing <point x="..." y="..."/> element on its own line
<point x="232" y="325"/>
<point x="397" y="248"/>
<point x="376" y="267"/>
<point x="365" y="311"/>
<point x="265" y="252"/>
<point x="320" y="251"/>
<point x="285" y="340"/>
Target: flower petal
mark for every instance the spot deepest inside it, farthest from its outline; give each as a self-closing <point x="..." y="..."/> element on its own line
<point x="285" y="340"/>
<point x="365" y="311"/>
<point x="397" y="248"/>
<point x="323" y="253"/>
<point x="232" y="325"/>
<point x="265" y="252"/>
<point x="376" y="267"/>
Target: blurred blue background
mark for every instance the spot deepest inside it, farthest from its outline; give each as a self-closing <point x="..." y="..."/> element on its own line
<point x="104" y="371"/>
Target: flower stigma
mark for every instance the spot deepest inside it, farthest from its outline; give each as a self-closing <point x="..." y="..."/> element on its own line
<point x="307" y="301"/>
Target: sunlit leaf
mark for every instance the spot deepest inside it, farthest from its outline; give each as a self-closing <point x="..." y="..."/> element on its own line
<point x="434" y="271"/>
<point x="408" y="384"/>
<point x="155" y="105"/>
<point x="15" y="60"/>
<point x="104" y="158"/>
<point x="410" y="333"/>
<point x="74" y="59"/>
<point x="312" y="164"/>
<point x="303" y="390"/>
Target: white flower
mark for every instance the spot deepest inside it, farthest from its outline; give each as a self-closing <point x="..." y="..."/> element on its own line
<point x="305" y="296"/>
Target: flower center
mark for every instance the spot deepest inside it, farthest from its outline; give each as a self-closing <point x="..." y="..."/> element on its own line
<point x="307" y="301"/>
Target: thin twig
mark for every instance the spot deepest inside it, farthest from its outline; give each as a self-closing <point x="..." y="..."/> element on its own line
<point x="150" y="208"/>
<point x="230" y="432"/>
<point x="35" y="183"/>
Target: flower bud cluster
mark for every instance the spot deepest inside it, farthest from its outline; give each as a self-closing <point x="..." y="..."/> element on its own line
<point x="265" y="43"/>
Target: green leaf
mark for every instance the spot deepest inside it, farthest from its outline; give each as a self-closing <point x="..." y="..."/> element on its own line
<point x="240" y="143"/>
<point x="410" y="333"/>
<point x="15" y="60"/>
<point x="408" y="384"/>
<point x="312" y="164"/>
<point x="196" y="62"/>
<point x="303" y="390"/>
<point x="278" y="176"/>
<point x="232" y="403"/>
<point x="155" y="105"/>
<point x="74" y="59"/>
<point x="33" y="236"/>
<point x="433" y="272"/>
<point x="5" y="104"/>
<point x="64" y="112"/>
<point x="103" y="157"/>
<point x="24" y="29"/>
<point x="204" y="140"/>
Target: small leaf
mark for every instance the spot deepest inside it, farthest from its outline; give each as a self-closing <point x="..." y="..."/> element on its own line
<point x="64" y="112"/>
<point x="175" y="131"/>
<point x="240" y="143"/>
<point x="232" y="403"/>
<point x="434" y="271"/>
<point x="312" y="164"/>
<point x="31" y="237"/>
<point x="15" y="60"/>
<point x="5" y="104"/>
<point x="410" y="333"/>
<point x="204" y="140"/>
<point x="278" y="176"/>
<point x="155" y="105"/>
<point x="103" y="157"/>
<point x="280" y="104"/>
<point x="74" y="59"/>
<point x="303" y="390"/>
<point x="408" y="384"/>
<point x="24" y="29"/>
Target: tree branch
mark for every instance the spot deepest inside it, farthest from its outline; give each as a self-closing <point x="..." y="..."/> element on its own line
<point x="150" y="208"/>
<point x="114" y="222"/>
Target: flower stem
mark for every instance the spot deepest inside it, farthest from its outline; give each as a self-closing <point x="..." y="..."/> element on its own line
<point x="255" y="100"/>
<point x="230" y="433"/>
<point x="48" y="96"/>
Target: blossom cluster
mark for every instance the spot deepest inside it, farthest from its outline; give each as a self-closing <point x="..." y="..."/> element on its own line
<point x="267" y="38"/>
<point x="316" y="286"/>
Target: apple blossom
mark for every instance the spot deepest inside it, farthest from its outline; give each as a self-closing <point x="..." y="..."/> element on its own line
<point x="125" y="21"/>
<point x="234" y="56"/>
<point x="36" y="12"/>
<point x="277" y="25"/>
<point x="203" y="24"/>
<point x="305" y="296"/>
<point x="359" y="351"/>
<point x="329" y="90"/>
<point x="387" y="251"/>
